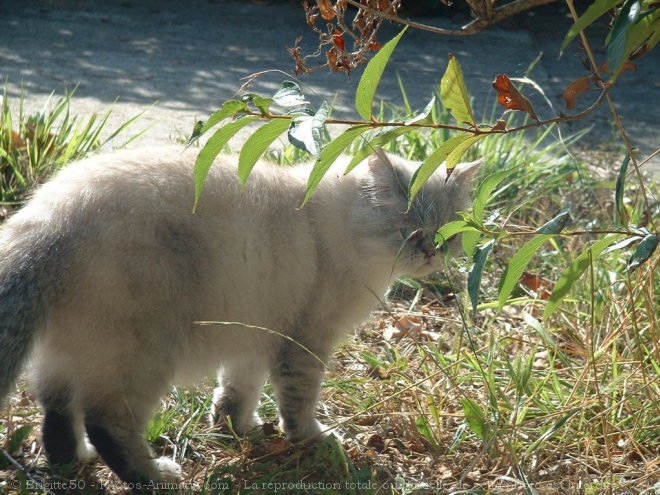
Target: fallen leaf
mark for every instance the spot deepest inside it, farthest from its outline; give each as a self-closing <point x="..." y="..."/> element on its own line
<point x="510" y="98"/>
<point x="417" y="446"/>
<point x="406" y="326"/>
<point x="376" y="442"/>
<point x="409" y="323"/>
<point x="575" y="89"/>
<point x="542" y="286"/>
<point x="446" y="472"/>
<point x="275" y="446"/>
<point x="367" y="420"/>
<point x="390" y="332"/>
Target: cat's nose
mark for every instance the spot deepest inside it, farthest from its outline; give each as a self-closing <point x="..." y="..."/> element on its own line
<point x="423" y="243"/>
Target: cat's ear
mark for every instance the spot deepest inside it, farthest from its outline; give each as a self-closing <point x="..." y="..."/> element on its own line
<point x="383" y="184"/>
<point x="464" y="173"/>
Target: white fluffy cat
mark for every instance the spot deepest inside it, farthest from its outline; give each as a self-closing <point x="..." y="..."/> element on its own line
<point x="106" y="272"/>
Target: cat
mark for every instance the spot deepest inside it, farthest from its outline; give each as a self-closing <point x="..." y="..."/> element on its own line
<point x="106" y="275"/>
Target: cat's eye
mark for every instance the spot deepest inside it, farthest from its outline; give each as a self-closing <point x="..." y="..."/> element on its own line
<point x="443" y="245"/>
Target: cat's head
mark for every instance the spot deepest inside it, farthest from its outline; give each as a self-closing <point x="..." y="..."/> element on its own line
<point x="409" y="233"/>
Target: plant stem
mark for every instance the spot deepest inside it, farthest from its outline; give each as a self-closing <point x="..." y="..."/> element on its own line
<point x="610" y="103"/>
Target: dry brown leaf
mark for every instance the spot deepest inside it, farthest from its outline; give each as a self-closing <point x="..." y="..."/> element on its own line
<point x="333" y="62"/>
<point x="575" y="89"/>
<point x="326" y="8"/>
<point x="417" y="446"/>
<point x="500" y="125"/>
<point x="338" y="38"/>
<point x="374" y="46"/>
<point x="542" y="286"/>
<point x="405" y="326"/>
<point x="376" y="442"/>
<point x="510" y="98"/>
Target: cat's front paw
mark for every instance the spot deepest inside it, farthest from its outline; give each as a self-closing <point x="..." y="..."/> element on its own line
<point x="314" y="430"/>
<point x="85" y="451"/>
<point x="168" y="470"/>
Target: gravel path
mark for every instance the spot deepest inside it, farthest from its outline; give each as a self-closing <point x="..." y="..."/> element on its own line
<point x="179" y="59"/>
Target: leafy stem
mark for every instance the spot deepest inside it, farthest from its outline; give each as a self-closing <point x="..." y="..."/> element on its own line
<point x="474" y="130"/>
<point x="615" y="115"/>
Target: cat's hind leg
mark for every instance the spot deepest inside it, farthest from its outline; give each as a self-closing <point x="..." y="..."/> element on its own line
<point x="237" y="394"/>
<point x="63" y="430"/>
<point x="296" y="376"/>
<point x="116" y="426"/>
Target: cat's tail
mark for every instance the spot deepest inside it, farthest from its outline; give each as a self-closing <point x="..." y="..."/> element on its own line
<point x="31" y="275"/>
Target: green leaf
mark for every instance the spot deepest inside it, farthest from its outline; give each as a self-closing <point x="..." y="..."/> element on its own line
<point x="623" y="244"/>
<point x="516" y="267"/>
<point x="424" y="429"/>
<point x="474" y="417"/>
<point x="364" y="96"/>
<point x="457" y="153"/>
<point x="18" y="437"/>
<point x="328" y="155"/>
<point x="575" y="271"/>
<point x="373" y="145"/>
<point x="469" y="239"/>
<point x="432" y="162"/>
<point x="306" y="131"/>
<point x="454" y="94"/>
<point x="289" y="95"/>
<point x="482" y="195"/>
<point x="425" y="117"/>
<point x="263" y="104"/>
<point x="459" y="436"/>
<point x="474" y="277"/>
<point x="595" y="10"/>
<point x="619" y="210"/>
<point x="196" y="133"/>
<point x="557" y="224"/>
<point x="228" y="109"/>
<point x="448" y="230"/>
<point x="211" y="150"/>
<point x="257" y="144"/>
<point x="645" y="30"/>
<point x="618" y="37"/>
<point x="550" y="431"/>
<point x="643" y="252"/>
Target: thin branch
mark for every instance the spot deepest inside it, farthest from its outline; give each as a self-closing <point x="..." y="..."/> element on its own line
<point x="613" y="111"/>
<point x="22" y="469"/>
<point x="498" y="14"/>
<point x="471" y="130"/>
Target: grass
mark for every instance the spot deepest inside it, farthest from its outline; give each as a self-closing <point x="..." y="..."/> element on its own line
<point x="33" y="146"/>
<point x="431" y="399"/>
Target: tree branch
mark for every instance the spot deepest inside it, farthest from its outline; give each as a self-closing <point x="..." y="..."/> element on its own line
<point x="493" y="16"/>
